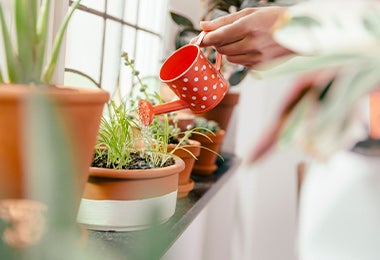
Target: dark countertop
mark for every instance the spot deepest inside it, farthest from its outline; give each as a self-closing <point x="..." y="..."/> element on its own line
<point x="154" y="242"/>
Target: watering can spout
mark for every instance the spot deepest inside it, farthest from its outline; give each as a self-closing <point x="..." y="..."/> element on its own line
<point x="147" y="111"/>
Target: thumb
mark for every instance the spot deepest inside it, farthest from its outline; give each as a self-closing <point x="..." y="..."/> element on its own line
<point x="225" y="20"/>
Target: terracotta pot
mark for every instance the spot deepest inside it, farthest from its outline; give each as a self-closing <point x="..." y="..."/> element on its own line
<point x="124" y="200"/>
<point x="223" y="111"/>
<point x="81" y="111"/>
<point x="206" y="163"/>
<point x="374" y="112"/>
<point x="184" y="120"/>
<point x="185" y="183"/>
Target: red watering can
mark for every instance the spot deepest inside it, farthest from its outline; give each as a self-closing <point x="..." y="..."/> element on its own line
<point x="198" y="84"/>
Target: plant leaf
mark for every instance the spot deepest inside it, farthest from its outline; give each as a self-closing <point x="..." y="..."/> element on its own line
<point x="371" y="22"/>
<point x="181" y="20"/>
<point x="25" y="20"/>
<point x="51" y="178"/>
<point x="237" y="76"/>
<point x="11" y="59"/>
<point x="42" y="31"/>
<point x="50" y="68"/>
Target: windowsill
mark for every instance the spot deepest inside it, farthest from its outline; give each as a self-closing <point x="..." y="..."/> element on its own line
<point x="156" y="241"/>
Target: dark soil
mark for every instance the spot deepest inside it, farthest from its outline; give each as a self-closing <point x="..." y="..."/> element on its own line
<point x="173" y="140"/>
<point x="138" y="162"/>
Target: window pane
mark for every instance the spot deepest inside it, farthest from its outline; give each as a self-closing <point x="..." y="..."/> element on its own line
<point x="116" y="8"/>
<point x="130" y="11"/>
<point x="94" y="4"/>
<point x="152" y="14"/>
<point x="148" y="55"/>
<point x="112" y="55"/>
<point x="128" y="46"/>
<point x="84" y="49"/>
<point x="96" y="41"/>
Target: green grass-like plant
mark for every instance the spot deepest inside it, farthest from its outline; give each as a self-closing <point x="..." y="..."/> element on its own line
<point x="26" y="56"/>
<point x="121" y="134"/>
<point x="116" y="136"/>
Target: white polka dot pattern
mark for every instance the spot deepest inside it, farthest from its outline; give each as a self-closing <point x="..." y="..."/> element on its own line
<point x="201" y="85"/>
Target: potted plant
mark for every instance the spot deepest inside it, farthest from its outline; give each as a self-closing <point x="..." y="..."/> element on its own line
<point x="133" y="180"/>
<point x="173" y="129"/>
<point x="29" y="70"/>
<point x="187" y="149"/>
<point x="325" y="114"/>
<point x="212" y="139"/>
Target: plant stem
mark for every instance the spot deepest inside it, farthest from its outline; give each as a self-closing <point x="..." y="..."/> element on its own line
<point x="42" y="31"/>
<point x="135" y="73"/>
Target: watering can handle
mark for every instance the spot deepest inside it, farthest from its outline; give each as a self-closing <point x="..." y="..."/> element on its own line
<point x="218" y="61"/>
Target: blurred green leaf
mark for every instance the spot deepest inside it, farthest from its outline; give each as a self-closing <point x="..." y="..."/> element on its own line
<point x="303" y="21"/>
<point x="25" y="20"/>
<point x="181" y="20"/>
<point x="371" y="21"/>
<point x="26" y="55"/>
<point x="11" y="59"/>
<point x="51" y="180"/>
<point x="238" y="75"/>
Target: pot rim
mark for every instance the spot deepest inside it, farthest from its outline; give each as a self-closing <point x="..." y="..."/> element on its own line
<point x="71" y="94"/>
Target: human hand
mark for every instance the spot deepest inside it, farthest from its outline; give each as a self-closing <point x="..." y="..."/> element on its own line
<point x="245" y="37"/>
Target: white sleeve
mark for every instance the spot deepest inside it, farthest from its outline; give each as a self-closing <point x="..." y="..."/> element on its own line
<point x="335" y="26"/>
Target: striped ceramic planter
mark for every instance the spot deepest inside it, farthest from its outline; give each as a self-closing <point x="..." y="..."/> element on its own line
<point x="124" y="200"/>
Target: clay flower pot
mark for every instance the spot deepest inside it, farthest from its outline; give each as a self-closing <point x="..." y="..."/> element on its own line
<point x="80" y="110"/>
<point x="206" y="163"/>
<point x="185" y="183"/>
<point x="124" y="200"/>
<point x="223" y="111"/>
<point x="184" y="120"/>
<point x="374" y="118"/>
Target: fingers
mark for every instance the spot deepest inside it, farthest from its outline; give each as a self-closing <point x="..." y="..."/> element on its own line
<point x="248" y="43"/>
<point x="230" y="25"/>
<point x="230" y="33"/>
<point x="248" y="60"/>
<point x="225" y="20"/>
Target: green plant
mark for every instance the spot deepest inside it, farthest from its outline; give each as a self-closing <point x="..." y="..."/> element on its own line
<point x="123" y="141"/>
<point x="172" y="134"/>
<point x="26" y="56"/>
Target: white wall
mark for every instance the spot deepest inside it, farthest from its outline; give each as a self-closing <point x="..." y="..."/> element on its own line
<point x="270" y="184"/>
